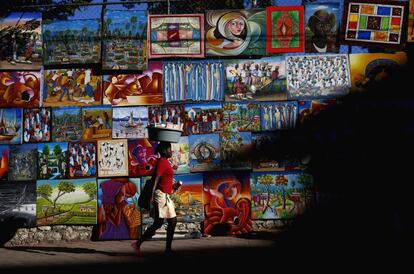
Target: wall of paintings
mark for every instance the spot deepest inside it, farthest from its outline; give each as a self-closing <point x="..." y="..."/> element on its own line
<point x="76" y="98"/>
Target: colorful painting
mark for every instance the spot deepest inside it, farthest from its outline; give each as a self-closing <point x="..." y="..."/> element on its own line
<point x="18" y="202"/>
<point x="112" y="158"/>
<point x="322" y="26"/>
<point x="236" y="150"/>
<point x="52" y="161"/>
<point x="72" y="41"/>
<point x="204" y="152"/>
<point x="312" y="108"/>
<point x="142" y="157"/>
<point x="97" y="122"/>
<point x="119" y="195"/>
<point x="4" y="163"/>
<point x="21" y="41"/>
<point x="195" y="81"/>
<point x="256" y="79"/>
<point x="171" y="116"/>
<point x="369" y="70"/>
<point x="410" y="37"/>
<point x="313" y="76"/>
<point x="125" y="40"/>
<point x="23" y="162"/>
<point x="203" y="118"/>
<point x="66" y="124"/>
<point x="66" y="202"/>
<point x="226" y="198"/>
<point x="188" y="200"/>
<point x="278" y="195"/>
<point x="10" y="126"/>
<point x="375" y="23"/>
<point x="180" y="35"/>
<point x="235" y="32"/>
<point x="180" y="159"/>
<point x="20" y="89"/>
<point x="71" y="87"/>
<point x="37" y="125"/>
<point x="82" y="159"/>
<point x="278" y="115"/>
<point x="129" y="122"/>
<point x="285" y="28"/>
<point x="238" y="117"/>
<point x="134" y="89"/>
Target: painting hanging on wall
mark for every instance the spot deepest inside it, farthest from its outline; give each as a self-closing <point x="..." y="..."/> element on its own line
<point x="171" y="116"/>
<point x="226" y="198"/>
<point x="97" y="122"/>
<point x="23" y="162"/>
<point x="179" y="35"/>
<point x="134" y="89"/>
<point x="235" y="32"/>
<point x="71" y="87"/>
<point x="256" y="79"/>
<point x="285" y="28"/>
<point x="236" y="150"/>
<point x="112" y="158"/>
<point x="82" y="159"/>
<point x="278" y="115"/>
<point x="18" y="202"/>
<point x="37" y="125"/>
<point x="203" y="118"/>
<point x="52" y="161"/>
<point x="369" y="70"/>
<point x="322" y="26"/>
<point x="312" y="108"/>
<point x="125" y="40"/>
<point x="313" y="76"/>
<point x="118" y="195"/>
<point x="188" y="200"/>
<point x="374" y="23"/>
<point x="204" y="152"/>
<point x="21" y="43"/>
<point x="72" y="41"/>
<point x="129" y="122"/>
<point x="10" y="126"/>
<point x="142" y="157"/>
<point x="66" y="124"/>
<point x="238" y="117"/>
<point x="66" y="202"/>
<point x="180" y="160"/>
<point x="20" y="89"/>
<point x="410" y="37"/>
<point x="278" y="195"/>
<point x="4" y="163"/>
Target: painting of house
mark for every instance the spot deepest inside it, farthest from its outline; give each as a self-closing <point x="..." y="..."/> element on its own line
<point x="129" y="122"/>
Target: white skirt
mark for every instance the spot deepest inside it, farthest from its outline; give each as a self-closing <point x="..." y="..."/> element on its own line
<point x="165" y="204"/>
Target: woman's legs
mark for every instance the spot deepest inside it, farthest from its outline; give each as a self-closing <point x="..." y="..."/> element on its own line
<point x="170" y="232"/>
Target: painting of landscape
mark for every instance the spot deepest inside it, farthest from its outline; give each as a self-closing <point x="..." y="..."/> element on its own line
<point x="188" y="200"/>
<point x="52" y="160"/>
<point x="67" y="124"/>
<point x="238" y="117"/>
<point x="236" y="150"/>
<point x="20" y="89"/>
<point x="129" y="122"/>
<point x="11" y="126"/>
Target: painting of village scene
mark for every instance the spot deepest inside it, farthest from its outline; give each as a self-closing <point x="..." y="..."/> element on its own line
<point x="142" y="157"/>
<point x="203" y="118"/>
<point x="134" y="89"/>
<point x="279" y="195"/>
<point x="21" y="41"/>
<point x="170" y="116"/>
<point x="256" y="79"/>
<point x="64" y="202"/>
<point x="10" y="126"/>
<point x="96" y="123"/>
<point x="119" y="195"/>
<point x="238" y="117"/>
<point x="52" y="161"/>
<point x="66" y="124"/>
<point x="71" y="87"/>
<point x="188" y="200"/>
<point x="23" y="162"/>
<point x="125" y="40"/>
<point x="4" y="163"/>
<point x="37" y="124"/>
<point x="279" y="115"/>
<point x="112" y="160"/>
<point x="129" y="122"/>
<point x="72" y="41"/>
<point x="226" y="198"/>
<point x="180" y="160"/>
<point x="236" y="150"/>
<point x="18" y="202"/>
<point x="82" y="159"/>
<point x="20" y="89"/>
<point x="204" y="152"/>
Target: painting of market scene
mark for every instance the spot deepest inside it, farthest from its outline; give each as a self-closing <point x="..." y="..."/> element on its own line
<point x="67" y="124"/>
<point x="96" y="122"/>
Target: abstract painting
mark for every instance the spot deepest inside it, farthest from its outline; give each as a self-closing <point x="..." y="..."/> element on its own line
<point x="96" y="122"/>
<point x="134" y="89"/>
<point x="204" y="152"/>
<point x="23" y="162"/>
<point x="66" y="124"/>
<point x="226" y="198"/>
<point x="180" y="160"/>
<point x="37" y="124"/>
<point x="203" y="118"/>
<point x="235" y="32"/>
<point x="66" y="202"/>
<point x="171" y="116"/>
<point x="52" y="161"/>
<point x="278" y="115"/>
<point x="188" y="200"/>
<point x="236" y="150"/>
<point x="129" y="122"/>
<point x="82" y="159"/>
<point x="20" y="89"/>
<point x="21" y="41"/>
<point x="285" y="29"/>
<point x="312" y="108"/>
<point x="179" y="35"/>
<point x="4" y="163"/>
<point x="112" y="158"/>
<point x="238" y="117"/>
<point x="119" y="195"/>
<point x="142" y="157"/>
<point x="71" y="87"/>
<point x="10" y="126"/>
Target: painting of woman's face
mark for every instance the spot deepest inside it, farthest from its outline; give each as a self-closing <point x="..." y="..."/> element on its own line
<point x="236" y="26"/>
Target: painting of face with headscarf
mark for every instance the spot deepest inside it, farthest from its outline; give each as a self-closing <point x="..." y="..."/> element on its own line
<point x="235" y="32"/>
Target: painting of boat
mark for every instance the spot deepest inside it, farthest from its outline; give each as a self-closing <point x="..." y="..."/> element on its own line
<point x="10" y="126"/>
